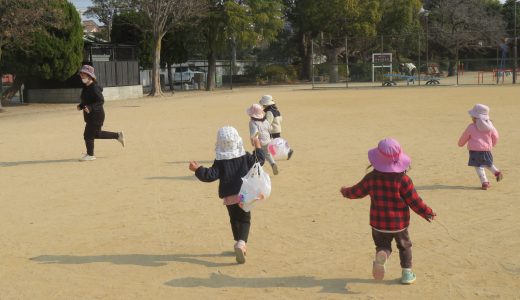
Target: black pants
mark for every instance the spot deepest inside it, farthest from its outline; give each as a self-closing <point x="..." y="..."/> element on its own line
<point x="275" y="135"/>
<point x="383" y="241"/>
<point x="93" y="131"/>
<point x="240" y="222"/>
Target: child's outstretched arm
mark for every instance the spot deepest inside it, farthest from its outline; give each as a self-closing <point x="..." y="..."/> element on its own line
<point x="204" y="174"/>
<point x="464" y="137"/>
<point x="355" y="192"/>
<point x="414" y="201"/>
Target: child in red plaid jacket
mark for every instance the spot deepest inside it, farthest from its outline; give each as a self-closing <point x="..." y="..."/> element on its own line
<point x="392" y="193"/>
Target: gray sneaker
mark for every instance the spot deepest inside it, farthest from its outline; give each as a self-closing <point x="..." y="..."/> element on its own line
<point x="407" y="277"/>
<point x="87" y="157"/>
<point x="275" y="169"/>
<point x="121" y="138"/>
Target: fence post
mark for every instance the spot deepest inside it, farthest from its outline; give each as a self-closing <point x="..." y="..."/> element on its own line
<point x="312" y="62"/>
<point x="346" y="60"/>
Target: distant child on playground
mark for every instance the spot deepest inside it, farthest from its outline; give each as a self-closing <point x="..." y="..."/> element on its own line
<point x="274" y="118"/>
<point x="481" y="137"/>
<point x="232" y="163"/>
<point x="259" y="126"/>
<point x="392" y="193"/>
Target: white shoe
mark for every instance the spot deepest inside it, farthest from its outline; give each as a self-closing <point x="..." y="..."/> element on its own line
<point x="121" y="138"/>
<point x="87" y="157"/>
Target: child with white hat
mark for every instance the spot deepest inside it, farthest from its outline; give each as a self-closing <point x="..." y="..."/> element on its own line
<point x="481" y="136"/>
<point x="274" y="118"/>
<point x="258" y="126"/>
<point x="232" y="163"/>
<point x="392" y="194"/>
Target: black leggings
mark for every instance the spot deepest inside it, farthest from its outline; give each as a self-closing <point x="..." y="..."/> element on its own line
<point x="240" y="222"/>
<point x="93" y="131"/>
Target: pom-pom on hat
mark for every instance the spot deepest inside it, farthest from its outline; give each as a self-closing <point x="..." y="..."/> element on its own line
<point x="89" y="70"/>
<point x="388" y="157"/>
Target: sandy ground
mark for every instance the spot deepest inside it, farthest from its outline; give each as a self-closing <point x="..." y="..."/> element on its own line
<point x="136" y="224"/>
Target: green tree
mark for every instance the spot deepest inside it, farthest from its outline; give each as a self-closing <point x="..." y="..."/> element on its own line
<point x="127" y="28"/>
<point x="238" y="24"/>
<point x="105" y="11"/>
<point x="56" y="51"/>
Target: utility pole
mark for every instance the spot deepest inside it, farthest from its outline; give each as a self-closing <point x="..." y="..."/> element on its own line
<point x="515" y="49"/>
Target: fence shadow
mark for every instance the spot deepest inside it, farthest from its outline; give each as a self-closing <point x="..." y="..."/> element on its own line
<point x="35" y="162"/>
<point x="219" y="280"/>
<point x="145" y="260"/>
<point x="445" y="187"/>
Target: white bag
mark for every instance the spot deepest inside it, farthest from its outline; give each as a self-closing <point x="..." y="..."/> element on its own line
<point x="256" y="185"/>
<point x="279" y="148"/>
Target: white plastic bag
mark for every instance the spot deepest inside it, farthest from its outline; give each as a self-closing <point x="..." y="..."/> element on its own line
<point x="279" y="148"/>
<point x="256" y="185"/>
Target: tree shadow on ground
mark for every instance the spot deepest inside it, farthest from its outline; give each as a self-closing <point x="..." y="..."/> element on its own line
<point x="35" y="162"/>
<point x="445" y="187"/>
<point x="219" y="280"/>
<point x="145" y="260"/>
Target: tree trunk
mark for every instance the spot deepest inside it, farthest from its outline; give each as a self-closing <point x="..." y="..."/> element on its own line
<point x="156" y="68"/>
<point x="334" y="70"/>
<point x="170" y="77"/>
<point x="306" y="55"/>
<point x="212" y="70"/>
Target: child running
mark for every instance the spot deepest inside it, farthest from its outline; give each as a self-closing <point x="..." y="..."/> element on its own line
<point x="274" y="118"/>
<point x="258" y="126"/>
<point x="392" y="193"/>
<point x="481" y="137"/>
<point x="232" y="163"/>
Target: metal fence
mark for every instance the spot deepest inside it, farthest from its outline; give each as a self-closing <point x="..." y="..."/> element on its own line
<point x="117" y="73"/>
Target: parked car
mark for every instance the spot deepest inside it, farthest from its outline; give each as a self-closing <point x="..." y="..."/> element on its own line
<point x="186" y="75"/>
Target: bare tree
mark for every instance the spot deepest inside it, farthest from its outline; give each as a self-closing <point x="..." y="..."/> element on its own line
<point x="164" y="15"/>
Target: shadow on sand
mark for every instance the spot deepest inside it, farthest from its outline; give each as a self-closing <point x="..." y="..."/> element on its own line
<point x="145" y="260"/>
<point x="187" y="178"/>
<point x="219" y="280"/>
<point x="35" y="162"/>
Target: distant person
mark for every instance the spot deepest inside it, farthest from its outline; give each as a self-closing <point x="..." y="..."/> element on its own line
<point x="392" y="194"/>
<point x="274" y="118"/>
<point x="481" y="136"/>
<point x="232" y="163"/>
<point x="259" y="126"/>
<point x="92" y="101"/>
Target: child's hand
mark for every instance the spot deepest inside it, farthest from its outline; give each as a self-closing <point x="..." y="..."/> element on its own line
<point x="256" y="142"/>
<point x="431" y="217"/>
<point x="194" y="166"/>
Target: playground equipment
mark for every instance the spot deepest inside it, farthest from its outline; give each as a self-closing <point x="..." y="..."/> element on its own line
<point x="430" y="80"/>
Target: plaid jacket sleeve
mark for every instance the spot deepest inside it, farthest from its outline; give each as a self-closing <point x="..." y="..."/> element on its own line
<point x="357" y="191"/>
<point x="412" y="199"/>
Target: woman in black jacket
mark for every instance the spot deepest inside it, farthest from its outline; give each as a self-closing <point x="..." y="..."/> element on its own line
<point x="92" y="105"/>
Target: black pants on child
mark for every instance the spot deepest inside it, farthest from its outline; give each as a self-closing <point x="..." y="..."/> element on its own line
<point x="93" y="131"/>
<point x="383" y="241"/>
<point x="240" y="222"/>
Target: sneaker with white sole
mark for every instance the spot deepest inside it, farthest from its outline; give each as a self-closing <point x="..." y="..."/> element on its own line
<point x="379" y="265"/>
<point x="407" y="277"/>
<point x="87" y="157"/>
<point x="240" y="252"/>
<point x="121" y="138"/>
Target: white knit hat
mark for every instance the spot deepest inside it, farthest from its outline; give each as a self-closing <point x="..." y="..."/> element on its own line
<point x="229" y="144"/>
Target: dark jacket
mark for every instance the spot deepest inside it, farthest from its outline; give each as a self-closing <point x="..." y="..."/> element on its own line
<point x="230" y="172"/>
<point x="92" y="97"/>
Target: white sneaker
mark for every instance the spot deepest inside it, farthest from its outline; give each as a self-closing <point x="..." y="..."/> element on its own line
<point x="87" y="157"/>
<point x="121" y="138"/>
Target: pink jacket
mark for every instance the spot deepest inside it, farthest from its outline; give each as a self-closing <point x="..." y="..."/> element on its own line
<point x="478" y="140"/>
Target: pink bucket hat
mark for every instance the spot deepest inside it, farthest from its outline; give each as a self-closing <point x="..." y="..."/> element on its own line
<point x="479" y="111"/>
<point x="256" y="111"/>
<point x="89" y="70"/>
<point x="388" y="157"/>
